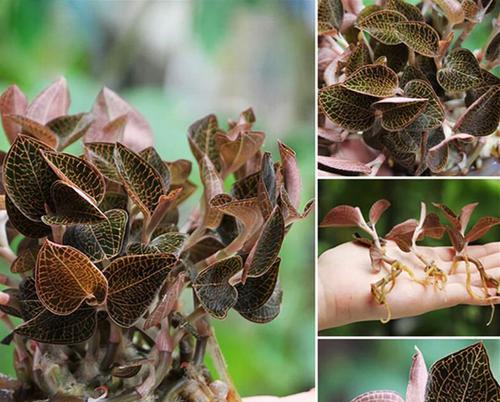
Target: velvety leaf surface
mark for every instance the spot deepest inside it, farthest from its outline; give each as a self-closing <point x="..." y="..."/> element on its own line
<point x="108" y="107"/>
<point x="23" y="224"/>
<point x="154" y="159"/>
<point x="379" y="396"/>
<point x="213" y="289"/>
<point x="143" y="183"/>
<point x="52" y="102"/>
<point x="482" y="117"/>
<point x="246" y="187"/>
<point x="381" y="25"/>
<point x="418" y="36"/>
<point x="330" y="15"/>
<point x="359" y="57"/>
<point x="12" y="101"/>
<point x="342" y="216"/>
<point x="204" y="248"/>
<point x="71" y="206"/>
<point x="113" y="200"/>
<point x="70" y="128"/>
<point x="101" y="154"/>
<point x="213" y="186"/>
<point x="55" y="329"/>
<point x="347" y="165"/>
<point x="482" y="226"/>
<point x="268" y="245"/>
<point x="171" y="243"/>
<point x="396" y="56"/>
<point x="27" y="178"/>
<point x="133" y="283"/>
<point x="29" y="302"/>
<point x="256" y="291"/>
<point x="463" y="376"/>
<point x="65" y="278"/>
<point x="411" y="12"/>
<point x="102" y="240"/>
<point x="350" y="110"/>
<point x="267" y="312"/>
<point x="398" y="112"/>
<point x="460" y="71"/>
<point x="374" y="80"/>
<point x="25" y="261"/>
<point x="77" y="172"/>
<point x="433" y="114"/>
<point x="437" y="155"/>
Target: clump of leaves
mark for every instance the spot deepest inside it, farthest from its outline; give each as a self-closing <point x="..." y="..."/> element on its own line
<point x="462" y="376"/>
<point x="104" y="263"/>
<point x="406" y="235"/>
<point x="400" y="95"/>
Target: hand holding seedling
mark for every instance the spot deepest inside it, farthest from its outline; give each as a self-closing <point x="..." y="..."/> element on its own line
<point x="345" y="276"/>
<point x="303" y="397"/>
<point x="358" y="280"/>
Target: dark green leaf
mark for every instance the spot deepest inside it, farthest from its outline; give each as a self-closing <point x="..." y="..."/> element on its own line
<point x="460" y="71"/>
<point x="27" y="178"/>
<point x="330" y="15"/>
<point x="268" y="311"/>
<point x="133" y="284"/>
<point x="23" y="224"/>
<point x="213" y="289"/>
<point x="398" y="112"/>
<point x="411" y="12"/>
<point x="463" y="376"/>
<point x="418" y="36"/>
<point x="70" y="128"/>
<point x="374" y="80"/>
<point x="381" y="25"/>
<point x="144" y="185"/>
<point x="433" y="114"/>
<point x="102" y="240"/>
<point x="348" y="109"/>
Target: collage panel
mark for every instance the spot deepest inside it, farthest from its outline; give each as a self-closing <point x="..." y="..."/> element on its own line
<point x="157" y="178"/>
<point x="408" y="88"/>
<point x="408" y="257"/>
<point x="409" y="370"/>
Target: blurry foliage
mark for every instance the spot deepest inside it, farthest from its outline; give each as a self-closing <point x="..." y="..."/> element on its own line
<point x="405" y="197"/>
<point x="44" y="39"/>
<point x="349" y="368"/>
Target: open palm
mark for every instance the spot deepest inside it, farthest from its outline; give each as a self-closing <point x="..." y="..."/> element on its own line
<point x="345" y="276"/>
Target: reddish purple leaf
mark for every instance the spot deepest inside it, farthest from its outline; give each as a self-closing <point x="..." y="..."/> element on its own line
<point x="107" y="108"/>
<point x="466" y="213"/>
<point x="291" y="174"/>
<point x="482" y="226"/>
<point x="344" y="164"/>
<point x="402" y="234"/>
<point x="432" y="227"/>
<point x="342" y="216"/>
<point x="52" y="102"/>
<point x="12" y="101"/>
<point x="415" y="392"/>
<point x="377" y="209"/>
<point x="450" y="215"/>
<point x="457" y="239"/>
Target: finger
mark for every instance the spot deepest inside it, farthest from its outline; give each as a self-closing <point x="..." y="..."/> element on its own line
<point x="475" y="277"/>
<point x="480" y="251"/>
<point x="489" y="262"/>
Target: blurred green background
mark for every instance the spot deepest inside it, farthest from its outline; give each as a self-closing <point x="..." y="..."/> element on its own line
<point x="405" y="197"/>
<point x="347" y="368"/>
<point x="177" y="61"/>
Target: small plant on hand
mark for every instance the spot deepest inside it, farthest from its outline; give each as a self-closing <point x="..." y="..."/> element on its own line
<point x="462" y="376"/>
<point x="406" y="235"/>
<point x="400" y="95"/>
<point x="103" y="262"/>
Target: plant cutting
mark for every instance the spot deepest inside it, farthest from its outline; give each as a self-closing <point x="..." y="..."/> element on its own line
<point x="406" y="235"/>
<point x="462" y="376"/>
<point x="105" y="269"/>
<point x="400" y="95"/>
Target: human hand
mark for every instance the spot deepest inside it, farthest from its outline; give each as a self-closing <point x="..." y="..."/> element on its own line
<point x="303" y="397"/>
<point x="345" y="276"/>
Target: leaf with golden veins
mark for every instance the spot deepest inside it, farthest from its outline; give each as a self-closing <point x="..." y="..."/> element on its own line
<point x="374" y="80"/>
<point x="133" y="282"/>
<point x="65" y="278"/>
<point x="460" y="71"/>
<point x="35" y="130"/>
<point x="381" y="25"/>
<point x="433" y="115"/>
<point x="399" y="112"/>
<point x="143" y="183"/>
<point x="419" y="36"/>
